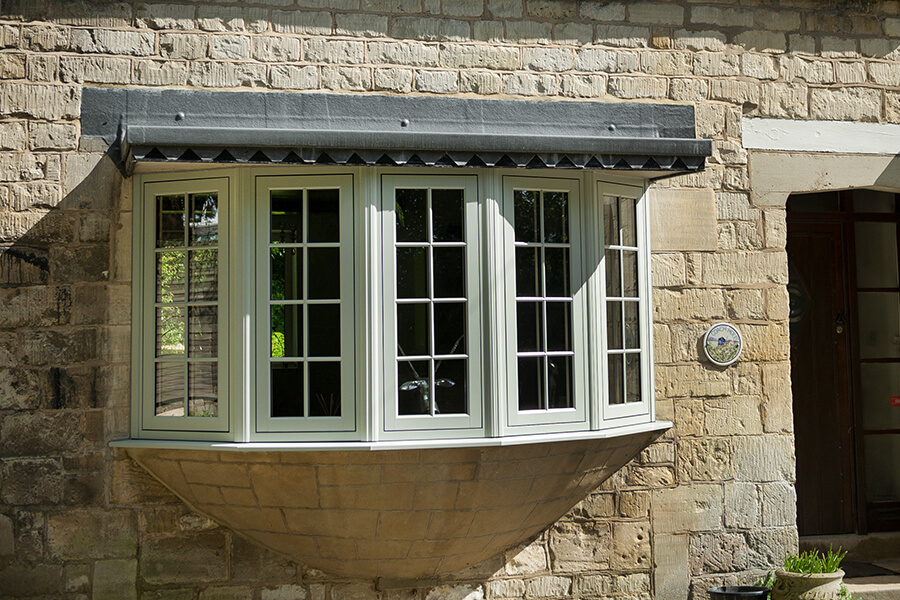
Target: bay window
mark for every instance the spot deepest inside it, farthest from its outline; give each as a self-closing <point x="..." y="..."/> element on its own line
<point x="332" y="305"/>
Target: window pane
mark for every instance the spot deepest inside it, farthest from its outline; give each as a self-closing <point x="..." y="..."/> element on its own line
<point x="450" y="387"/>
<point x="412" y="214"/>
<point x="413" y="396"/>
<point x="613" y="274"/>
<point x="412" y="272"/>
<point x="203" y="331"/>
<point x="531" y="382"/>
<point x="204" y="219"/>
<point x="632" y="325"/>
<point x="556" y="217"/>
<point x="287" y="389"/>
<point x="530" y="326"/>
<point x="449" y="271"/>
<point x="324" y="330"/>
<point x="203" y="389"/>
<point x="323" y="212"/>
<point x="450" y="328"/>
<point x="559" y="326"/>
<point x="527" y="214"/>
<point x="170" y="277"/>
<point x="628" y="221"/>
<point x="325" y="389"/>
<point x="614" y="325"/>
<point x="169" y="221"/>
<point x="204" y="275"/>
<point x="287" y="330"/>
<point x="447" y="215"/>
<point x="559" y="382"/>
<point x="324" y="270"/>
<point x="528" y="283"/>
<point x="874" y="201"/>
<point x="611" y="220"/>
<point x="633" y="377"/>
<point x="630" y="273"/>
<point x="876" y="255"/>
<point x="170" y="331"/>
<point x="616" y="379"/>
<point x="287" y="216"/>
<point x="170" y="389"/>
<point x="287" y="273"/>
<point x="413" y="324"/>
<point x="556" y="268"/>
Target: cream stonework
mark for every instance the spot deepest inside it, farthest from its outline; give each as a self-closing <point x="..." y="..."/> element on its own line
<point x="711" y="502"/>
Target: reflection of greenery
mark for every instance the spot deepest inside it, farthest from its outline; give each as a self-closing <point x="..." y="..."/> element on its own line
<point x="330" y="407"/>
<point x="170" y="289"/>
<point x="278" y="342"/>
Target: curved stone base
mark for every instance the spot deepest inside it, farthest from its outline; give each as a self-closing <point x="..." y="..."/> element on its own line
<point x="394" y="514"/>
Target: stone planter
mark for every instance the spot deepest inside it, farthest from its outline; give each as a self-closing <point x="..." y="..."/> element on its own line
<point x="811" y="586"/>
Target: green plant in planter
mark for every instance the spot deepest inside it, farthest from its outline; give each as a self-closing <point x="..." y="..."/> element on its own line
<point x="810" y="575"/>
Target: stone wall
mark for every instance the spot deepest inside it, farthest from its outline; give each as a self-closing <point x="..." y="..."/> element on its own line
<point x="712" y="501"/>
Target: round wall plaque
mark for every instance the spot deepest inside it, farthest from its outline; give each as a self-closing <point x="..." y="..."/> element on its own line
<point x="723" y="344"/>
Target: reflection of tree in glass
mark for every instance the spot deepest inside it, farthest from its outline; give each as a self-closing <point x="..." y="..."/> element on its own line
<point x="277" y="270"/>
<point x="170" y="289"/>
<point x="204" y="219"/>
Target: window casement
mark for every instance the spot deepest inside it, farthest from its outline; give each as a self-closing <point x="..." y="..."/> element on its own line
<point x="337" y="305"/>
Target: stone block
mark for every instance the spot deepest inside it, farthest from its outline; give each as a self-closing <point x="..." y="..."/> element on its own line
<point x="12" y="136"/>
<point x="528" y="32"/>
<point x="52" y="136"/>
<point x="107" y="41"/>
<point x="745" y="267"/>
<point x="550" y="9"/>
<point x="334" y="51"/>
<point x="779" y="504"/>
<point x="229" y="47"/>
<point x="687" y="508"/>
<point x="158" y="72"/>
<point x="697" y="41"/>
<point x="690" y="90"/>
<point x="42" y="68"/>
<point x="734" y="91"/>
<point x="705" y="459"/>
<point x="745" y="304"/>
<point x="768" y="547"/>
<point x="688" y="304"/>
<point x="548" y="587"/>
<point x="718" y="553"/>
<point x="638" y="87"/>
<point x="366" y="25"/>
<point x="302" y="22"/>
<point x="189" y="46"/>
<point x="437" y="82"/>
<point x="575" y="547"/>
<point x="28" y="481"/>
<point x="403" y="53"/>
<point x="759" y="66"/>
<point x="288" y="591"/>
<point x="666" y="63"/>
<point x="34" y="580"/>
<point x="165" y="16"/>
<point x="621" y="36"/>
<point x="251" y="563"/>
<point x="582" y="86"/>
<point x="742" y="506"/>
<point x="722" y="16"/>
<point x="839" y="47"/>
<point x="290" y="77"/>
<point x="115" y="580"/>
<point x="85" y="69"/>
<point x="480" y="56"/>
<point x="277" y="49"/>
<point x="480" y="82"/>
<point x="172" y="594"/>
<point x="650" y="476"/>
<point x="692" y="381"/>
<point x="40" y="434"/>
<point x="530" y="84"/>
<point x="670" y="556"/>
<point x="48" y="102"/>
<point x="77" y="577"/>
<point x="228" y="593"/>
<point x="198" y="558"/>
<point x="776" y="409"/>
<point x="763" y="458"/>
<point x="430" y="29"/>
<point x="505" y="588"/>
<point x="845" y="104"/>
<point x="395" y="80"/>
<point x="12" y="66"/>
<point x="547" y="59"/>
<point x="682" y="219"/>
<point x="21" y="264"/>
<point x="662" y="344"/>
<point x="595" y="59"/>
<point x="219" y="75"/>
<point x="7" y="540"/>
<point x="850" y="72"/>
<point x="456" y="592"/>
<point x="784" y="100"/>
<point x="593" y="586"/>
<point x="656" y="13"/>
<point x="573" y="34"/>
<point x="631" y="546"/>
<point x="668" y="269"/>
<point x="80" y="534"/>
<point x="346" y="78"/>
<point x="44" y="38"/>
<point x="232" y="18"/>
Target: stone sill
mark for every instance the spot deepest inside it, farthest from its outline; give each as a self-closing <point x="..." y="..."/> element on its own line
<point x="479" y="442"/>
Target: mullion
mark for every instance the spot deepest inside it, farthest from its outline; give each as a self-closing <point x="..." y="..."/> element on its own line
<point x="545" y="397"/>
<point x="304" y="235"/>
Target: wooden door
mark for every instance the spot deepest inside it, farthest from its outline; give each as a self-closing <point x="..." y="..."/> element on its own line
<point x="820" y="375"/>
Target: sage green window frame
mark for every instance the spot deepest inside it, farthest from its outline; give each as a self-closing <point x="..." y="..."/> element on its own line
<point x="144" y="311"/>
<point x="326" y="427"/>
<point x="244" y="328"/>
